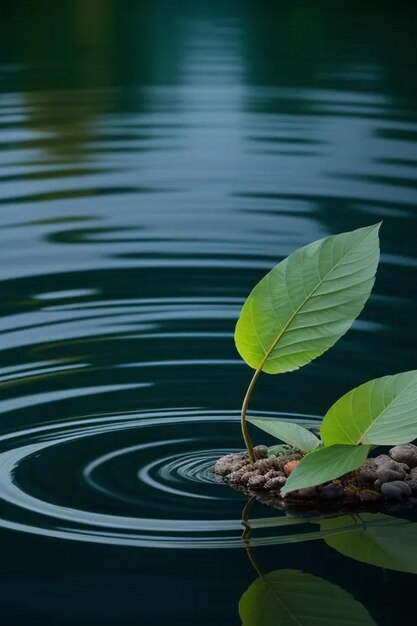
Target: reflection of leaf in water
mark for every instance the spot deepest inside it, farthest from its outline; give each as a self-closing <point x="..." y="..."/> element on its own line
<point x="293" y="598"/>
<point x="379" y="540"/>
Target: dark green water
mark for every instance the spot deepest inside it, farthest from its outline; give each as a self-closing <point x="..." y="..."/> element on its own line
<point x="157" y="158"/>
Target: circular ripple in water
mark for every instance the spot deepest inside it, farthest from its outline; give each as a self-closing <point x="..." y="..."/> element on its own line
<point x="144" y="486"/>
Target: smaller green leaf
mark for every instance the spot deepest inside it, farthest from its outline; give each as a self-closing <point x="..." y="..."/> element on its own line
<point x="380" y="412"/>
<point x="325" y="464"/>
<point x="297" y="436"/>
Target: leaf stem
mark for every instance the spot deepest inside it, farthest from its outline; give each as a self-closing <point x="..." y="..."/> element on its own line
<point x="243" y="422"/>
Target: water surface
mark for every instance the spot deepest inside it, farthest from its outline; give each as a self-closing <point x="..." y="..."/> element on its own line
<point x="156" y="160"/>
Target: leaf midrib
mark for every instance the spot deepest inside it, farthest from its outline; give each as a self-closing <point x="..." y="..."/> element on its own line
<point x="303" y="303"/>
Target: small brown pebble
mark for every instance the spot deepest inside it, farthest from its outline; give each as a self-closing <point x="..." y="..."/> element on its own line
<point x="289" y="467"/>
<point x="256" y="482"/>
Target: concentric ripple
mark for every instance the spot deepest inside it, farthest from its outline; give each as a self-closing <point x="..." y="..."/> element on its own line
<point x="139" y="494"/>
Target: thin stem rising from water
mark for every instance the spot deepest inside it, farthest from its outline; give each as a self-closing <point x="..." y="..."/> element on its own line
<point x="243" y="422"/>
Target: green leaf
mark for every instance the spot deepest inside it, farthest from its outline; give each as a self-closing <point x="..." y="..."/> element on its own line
<point x="383" y="411"/>
<point x="377" y="539"/>
<point x="325" y="464"/>
<point x="308" y="301"/>
<point x="294" y="598"/>
<point x="291" y="433"/>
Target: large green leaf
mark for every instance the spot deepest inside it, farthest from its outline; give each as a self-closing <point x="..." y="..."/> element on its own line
<point x="325" y="464"/>
<point x="308" y="301"/>
<point x="294" y="598"/>
<point x="380" y="412"/>
<point x="377" y="539"/>
<point x="287" y="431"/>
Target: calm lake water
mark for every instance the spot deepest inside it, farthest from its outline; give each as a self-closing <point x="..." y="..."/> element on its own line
<point x="157" y="158"/>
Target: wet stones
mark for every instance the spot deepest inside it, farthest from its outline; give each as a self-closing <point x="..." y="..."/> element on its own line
<point x="333" y="491"/>
<point x="388" y="471"/>
<point x="309" y="493"/>
<point x="395" y="490"/>
<point x="411" y="481"/>
<point x="260" y="452"/>
<point x="275" y="484"/>
<point x="256" y="482"/>
<point x="405" y="453"/>
<point x="367" y="473"/>
<point x="388" y="478"/>
<point x="264" y="474"/>
<point x="230" y="463"/>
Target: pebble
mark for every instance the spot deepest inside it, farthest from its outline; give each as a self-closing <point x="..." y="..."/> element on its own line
<point x="307" y="493"/>
<point x="289" y="467"/>
<point x="382" y="458"/>
<point x="236" y="477"/>
<point x="260" y="452"/>
<point x="275" y="483"/>
<point x="331" y="492"/>
<point x="367" y="473"/>
<point x="395" y="490"/>
<point x="389" y="471"/>
<point x="236" y="466"/>
<point x="222" y="468"/>
<point x="388" y="474"/>
<point x="256" y="482"/>
<point x="405" y="453"/>
<point x="263" y="465"/>
<point x="273" y="474"/>
<point x="245" y="477"/>
<point x="411" y="480"/>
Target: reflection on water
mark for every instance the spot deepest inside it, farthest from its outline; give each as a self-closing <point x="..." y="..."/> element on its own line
<point x="156" y="159"/>
<point x="291" y="596"/>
